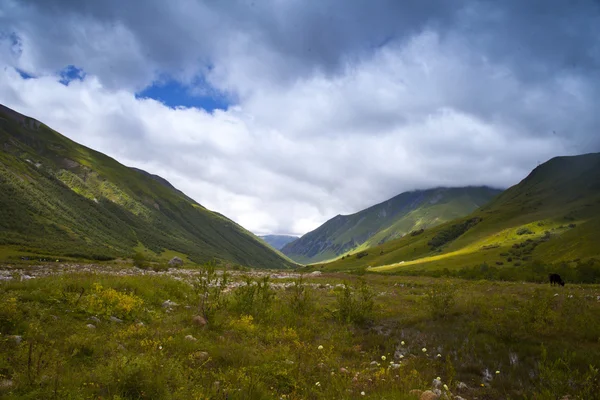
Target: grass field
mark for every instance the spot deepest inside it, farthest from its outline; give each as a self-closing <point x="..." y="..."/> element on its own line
<point x="114" y="332"/>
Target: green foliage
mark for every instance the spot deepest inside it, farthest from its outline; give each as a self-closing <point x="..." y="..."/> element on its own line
<point x="524" y="231"/>
<point x="453" y="232"/>
<point x="301" y="298"/>
<point x="110" y="302"/>
<point x="355" y="305"/>
<point x="210" y="289"/>
<point x="440" y="300"/>
<point x="254" y="297"/>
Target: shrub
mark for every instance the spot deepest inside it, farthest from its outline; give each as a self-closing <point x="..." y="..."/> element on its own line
<point x="301" y="300"/>
<point x="524" y="231"/>
<point x="254" y="298"/>
<point x="441" y="299"/>
<point x="453" y="232"/>
<point x="210" y="289"/>
<point x="355" y="306"/>
<point x="109" y="302"/>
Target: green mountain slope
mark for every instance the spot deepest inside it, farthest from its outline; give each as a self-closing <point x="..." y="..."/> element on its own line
<point x="553" y="215"/>
<point x="386" y="221"/>
<point x="60" y="198"/>
<point x="278" y="241"/>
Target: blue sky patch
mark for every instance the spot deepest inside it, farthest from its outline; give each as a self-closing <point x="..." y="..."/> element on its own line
<point x="24" y="74"/>
<point x="174" y="94"/>
<point x="71" y="73"/>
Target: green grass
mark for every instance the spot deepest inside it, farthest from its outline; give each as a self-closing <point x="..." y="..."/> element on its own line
<point x="63" y="199"/>
<point x="387" y="221"/>
<point x="280" y="343"/>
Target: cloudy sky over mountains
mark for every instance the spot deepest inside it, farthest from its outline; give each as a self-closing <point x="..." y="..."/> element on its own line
<point x="281" y="114"/>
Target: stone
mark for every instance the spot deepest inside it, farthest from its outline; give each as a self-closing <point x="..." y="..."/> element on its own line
<point x="115" y="319"/>
<point x="416" y="393"/>
<point x="314" y="273"/>
<point x="201" y="355"/>
<point x="95" y="319"/>
<point x="461" y="385"/>
<point x="199" y="320"/>
<point x="428" y="395"/>
<point x="91" y="326"/>
<point x="17" y="338"/>
<point x="343" y="370"/>
<point x="190" y="338"/>
<point x="175" y="262"/>
<point x="436" y="383"/>
<point x="6" y="383"/>
<point x="169" y="304"/>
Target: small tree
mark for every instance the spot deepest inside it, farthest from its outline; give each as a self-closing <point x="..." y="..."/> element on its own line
<point x="210" y="289"/>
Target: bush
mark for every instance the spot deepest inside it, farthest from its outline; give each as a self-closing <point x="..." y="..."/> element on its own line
<point x="524" y="231"/>
<point x="210" y="289"/>
<point x="355" y="306"/>
<point x="254" y="298"/>
<point x="301" y="301"/>
<point x="441" y="299"/>
<point x="453" y="232"/>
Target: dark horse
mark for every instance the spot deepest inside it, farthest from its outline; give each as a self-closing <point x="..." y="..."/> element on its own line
<point x="556" y="279"/>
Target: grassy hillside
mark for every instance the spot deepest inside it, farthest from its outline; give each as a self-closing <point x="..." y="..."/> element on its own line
<point x="278" y="241"/>
<point x="61" y="199"/>
<point x="386" y="221"/>
<point x="552" y="216"/>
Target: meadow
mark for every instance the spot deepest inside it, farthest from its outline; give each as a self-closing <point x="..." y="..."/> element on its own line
<point x="116" y="332"/>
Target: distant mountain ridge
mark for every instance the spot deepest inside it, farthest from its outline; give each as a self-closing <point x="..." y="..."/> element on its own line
<point x="278" y="241"/>
<point x="60" y="198"/>
<point x="551" y="216"/>
<point x="386" y="221"/>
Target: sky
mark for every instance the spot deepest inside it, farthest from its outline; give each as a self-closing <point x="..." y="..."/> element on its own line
<point x="281" y="114"/>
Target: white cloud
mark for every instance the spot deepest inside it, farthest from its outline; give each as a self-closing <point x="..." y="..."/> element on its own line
<point x="312" y="135"/>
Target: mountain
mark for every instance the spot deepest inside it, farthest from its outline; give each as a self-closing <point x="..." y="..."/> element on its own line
<point x="553" y="215"/>
<point x="278" y="241"/>
<point x="60" y="198"/>
<point x="392" y="219"/>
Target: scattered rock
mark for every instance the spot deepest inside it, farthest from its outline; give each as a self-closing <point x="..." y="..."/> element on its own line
<point x="91" y="326"/>
<point x="175" y="262"/>
<point x="199" y="320"/>
<point x="288" y="362"/>
<point x="6" y="383"/>
<point x="140" y="324"/>
<point x="428" y="395"/>
<point x="343" y="370"/>
<point x="121" y="347"/>
<point x="201" y="355"/>
<point x="436" y="383"/>
<point x="95" y="319"/>
<point x="461" y="385"/>
<point x="190" y="338"/>
<point x="115" y="319"/>
<point x="315" y="273"/>
<point x="169" y="304"/>
<point x="17" y="338"/>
